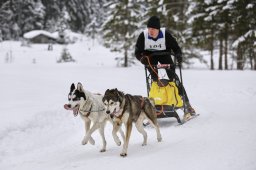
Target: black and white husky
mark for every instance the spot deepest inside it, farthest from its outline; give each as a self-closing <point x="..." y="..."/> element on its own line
<point x="91" y="109"/>
<point x="126" y="108"/>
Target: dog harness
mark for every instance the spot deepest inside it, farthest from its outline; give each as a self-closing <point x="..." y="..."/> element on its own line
<point x="88" y="112"/>
<point x="139" y="100"/>
<point x="142" y="104"/>
<point x="88" y="107"/>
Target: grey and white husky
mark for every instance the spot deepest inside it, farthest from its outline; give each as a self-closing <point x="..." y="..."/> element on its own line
<point x="91" y="109"/>
<point x="126" y="108"/>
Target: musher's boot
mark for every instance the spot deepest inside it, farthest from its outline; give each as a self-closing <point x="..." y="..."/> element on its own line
<point x="189" y="112"/>
<point x="189" y="109"/>
<point x="186" y="116"/>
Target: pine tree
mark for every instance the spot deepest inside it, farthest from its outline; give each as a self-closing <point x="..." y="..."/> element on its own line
<point x="225" y="25"/>
<point x="31" y="15"/>
<point x="18" y="17"/>
<point x="175" y="19"/>
<point x="120" y="27"/>
<point x="244" y="31"/>
<point x="97" y="18"/>
<point x="6" y="19"/>
<point x="202" y="28"/>
<point x="79" y="12"/>
<point x="52" y="14"/>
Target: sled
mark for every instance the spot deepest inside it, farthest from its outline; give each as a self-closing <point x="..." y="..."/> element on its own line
<point x="163" y="110"/>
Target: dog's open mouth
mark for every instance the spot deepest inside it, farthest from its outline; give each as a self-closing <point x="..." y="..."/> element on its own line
<point x="74" y="109"/>
<point x="112" y="114"/>
<point x="115" y="113"/>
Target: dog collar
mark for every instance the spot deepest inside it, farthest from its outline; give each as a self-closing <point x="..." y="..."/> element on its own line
<point x="86" y="107"/>
<point x="87" y="112"/>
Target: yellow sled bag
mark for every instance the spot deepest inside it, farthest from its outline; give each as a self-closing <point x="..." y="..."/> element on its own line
<point x="166" y="95"/>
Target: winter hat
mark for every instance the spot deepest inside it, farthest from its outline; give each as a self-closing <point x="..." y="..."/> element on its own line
<point x="154" y="22"/>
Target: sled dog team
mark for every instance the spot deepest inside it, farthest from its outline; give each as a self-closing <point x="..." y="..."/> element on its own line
<point x="117" y="108"/>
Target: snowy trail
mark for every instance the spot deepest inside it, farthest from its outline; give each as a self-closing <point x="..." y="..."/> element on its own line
<point x="36" y="133"/>
<point x="51" y="138"/>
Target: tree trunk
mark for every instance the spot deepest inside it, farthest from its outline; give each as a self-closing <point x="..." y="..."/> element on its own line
<point x="251" y="58"/>
<point x="212" y="63"/>
<point x="239" y="58"/>
<point x="226" y="36"/>
<point x="220" y="54"/>
<point x="211" y="49"/>
<point x="125" y="58"/>
<point x="226" y="53"/>
<point x="254" y="56"/>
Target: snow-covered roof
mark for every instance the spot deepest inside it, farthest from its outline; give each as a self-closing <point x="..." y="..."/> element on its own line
<point x="35" y="33"/>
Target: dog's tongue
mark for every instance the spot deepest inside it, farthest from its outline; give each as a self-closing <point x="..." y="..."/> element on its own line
<point x="75" y="110"/>
<point x="66" y="107"/>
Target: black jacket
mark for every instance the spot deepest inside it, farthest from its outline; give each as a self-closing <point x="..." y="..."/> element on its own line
<point x="170" y="41"/>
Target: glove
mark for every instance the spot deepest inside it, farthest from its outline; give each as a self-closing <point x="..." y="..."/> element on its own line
<point x="179" y="58"/>
<point x="144" y="60"/>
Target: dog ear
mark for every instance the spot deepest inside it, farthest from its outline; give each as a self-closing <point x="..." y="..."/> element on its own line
<point x="72" y="87"/>
<point x="115" y="91"/>
<point x="118" y="94"/>
<point x="80" y="87"/>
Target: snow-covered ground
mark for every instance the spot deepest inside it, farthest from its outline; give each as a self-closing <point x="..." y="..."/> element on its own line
<point x="36" y="133"/>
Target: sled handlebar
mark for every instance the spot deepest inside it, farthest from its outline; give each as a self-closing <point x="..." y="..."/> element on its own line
<point x="162" y="66"/>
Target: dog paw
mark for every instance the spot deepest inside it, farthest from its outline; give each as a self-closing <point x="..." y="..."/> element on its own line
<point x="159" y="139"/>
<point x="144" y="144"/>
<point x="118" y="143"/>
<point x="103" y="150"/>
<point x="123" y="154"/>
<point x="92" y="142"/>
<point x="84" y="142"/>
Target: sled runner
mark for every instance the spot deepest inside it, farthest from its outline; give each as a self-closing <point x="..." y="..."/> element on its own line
<point x="164" y="92"/>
